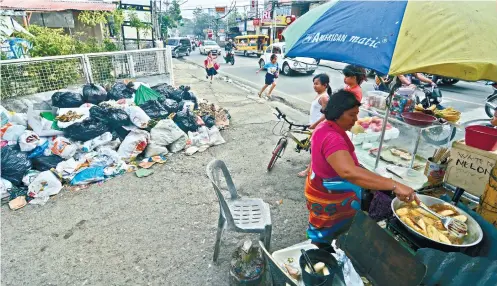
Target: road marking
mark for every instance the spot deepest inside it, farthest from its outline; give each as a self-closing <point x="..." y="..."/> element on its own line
<point x="464" y="101"/>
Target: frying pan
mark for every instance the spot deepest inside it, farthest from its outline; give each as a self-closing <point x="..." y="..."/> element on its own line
<point x="475" y="234"/>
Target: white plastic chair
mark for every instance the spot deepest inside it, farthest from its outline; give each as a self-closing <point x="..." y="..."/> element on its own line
<point x="247" y="215"/>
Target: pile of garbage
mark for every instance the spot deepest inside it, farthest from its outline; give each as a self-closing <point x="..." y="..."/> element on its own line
<point x="82" y="138"/>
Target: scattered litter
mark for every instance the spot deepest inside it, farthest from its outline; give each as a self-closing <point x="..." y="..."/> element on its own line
<point x="18" y="203"/>
<point x="140" y="173"/>
<point x="63" y="147"/>
<point x="46" y="184"/>
<point x="88" y="176"/>
<point x="28" y="140"/>
<point x="81" y="138"/>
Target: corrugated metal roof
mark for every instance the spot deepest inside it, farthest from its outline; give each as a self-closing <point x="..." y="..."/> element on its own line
<point x="52" y="5"/>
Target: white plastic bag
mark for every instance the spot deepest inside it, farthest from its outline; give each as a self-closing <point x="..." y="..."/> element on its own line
<point x="97" y="141"/>
<point x="215" y="136"/>
<point x="199" y="138"/>
<point x="179" y="144"/>
<point x="349" y="273"/>
<point x="137" y="116"/>
<point x="134" y="144"/>
<point x="28" y="141"/>
<point x="5" y="187"/>
<point x="67" y="168"/>
<point x="45" y="185"/>
<point x="19" y="118"/>
<point x="13" y="132"/>
<point x="84" y="112"/>
<point x="165" y="133"/>
<point x="29" y="177"/>
<point x="63" y="147"/>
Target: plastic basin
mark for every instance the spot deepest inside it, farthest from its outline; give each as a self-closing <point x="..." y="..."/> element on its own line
<point x="481" y="137"/>
<point x="418" y="119"/>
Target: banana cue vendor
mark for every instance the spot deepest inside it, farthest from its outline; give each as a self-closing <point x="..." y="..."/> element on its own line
<point x="335" y="177"/>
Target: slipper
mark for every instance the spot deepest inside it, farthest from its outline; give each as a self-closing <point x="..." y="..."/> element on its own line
<point x="260" y="94"/>
<point x="302" y="174"/>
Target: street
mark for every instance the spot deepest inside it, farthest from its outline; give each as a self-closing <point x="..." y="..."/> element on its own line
<point x="467" y="97"/>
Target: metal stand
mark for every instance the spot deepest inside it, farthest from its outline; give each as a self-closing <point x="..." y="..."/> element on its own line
<point x="385" y="119"/>
<point x="415" y="148"/>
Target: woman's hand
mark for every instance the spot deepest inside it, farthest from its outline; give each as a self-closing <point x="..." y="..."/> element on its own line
<point x="405" y="193"/>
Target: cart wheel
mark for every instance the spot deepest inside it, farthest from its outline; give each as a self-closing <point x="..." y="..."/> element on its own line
<point x="277" y="153"/>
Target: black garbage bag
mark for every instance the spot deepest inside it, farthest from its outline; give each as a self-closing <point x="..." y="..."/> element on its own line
<point x="14" y="164"/>
<point x="154" y="109"/>
<point x="164" y="89"/>
<point x="86" y="130"/>
<point x="67" y="99"/>
<point x="120" y="90"/>
<point x="45" y="163"/>
<point x="170" y="105"/>
<point x="209" y="121"/>
<point x="120" y="133"/>
<point x="113" y="117"/>
<point x="93" y="93"/>
<point x="186" y="121"/>
<point x="176" y="95"/>
<point x="18" y="191"/>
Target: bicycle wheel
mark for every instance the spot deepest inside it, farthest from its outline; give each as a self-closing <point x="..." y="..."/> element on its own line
<point x="440" y="135"/>
<point x="277" y="153"/>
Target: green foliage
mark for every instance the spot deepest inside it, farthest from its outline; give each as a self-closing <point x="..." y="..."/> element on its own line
<point x="34" y="77"/>
<point x="114" y="19"/>
<point x="171" y="19"/>
<point x="202" y="21"/>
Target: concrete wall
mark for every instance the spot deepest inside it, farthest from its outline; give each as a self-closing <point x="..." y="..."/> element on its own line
<point x="90" y="32"/>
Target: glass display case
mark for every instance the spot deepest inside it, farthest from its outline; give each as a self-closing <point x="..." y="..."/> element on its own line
<point x="402" y="152"/>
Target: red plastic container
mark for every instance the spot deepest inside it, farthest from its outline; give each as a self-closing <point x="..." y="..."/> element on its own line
<point x="481" y="137"/>
<point x="418" y="119"/>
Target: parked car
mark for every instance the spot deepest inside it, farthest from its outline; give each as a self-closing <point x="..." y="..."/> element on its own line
<point x="208" y="46"/>
<point x="288" y="66"/>
<point x="180" y="46"/>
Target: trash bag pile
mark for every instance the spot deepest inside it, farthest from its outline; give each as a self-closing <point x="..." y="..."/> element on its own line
<point x="86" y="137"/>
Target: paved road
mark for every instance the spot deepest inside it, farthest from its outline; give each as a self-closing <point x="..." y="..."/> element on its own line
<point x="467" y="97"/>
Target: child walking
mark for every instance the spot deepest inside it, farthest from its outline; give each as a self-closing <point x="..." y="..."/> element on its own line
<point x="210" y="66"/>
<point x="272" y="73"/>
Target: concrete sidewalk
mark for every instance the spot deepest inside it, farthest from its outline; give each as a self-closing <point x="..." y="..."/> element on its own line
<point x="160" y="230"/>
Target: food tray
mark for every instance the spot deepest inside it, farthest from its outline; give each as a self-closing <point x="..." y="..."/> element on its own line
<point x="388" y="157"/>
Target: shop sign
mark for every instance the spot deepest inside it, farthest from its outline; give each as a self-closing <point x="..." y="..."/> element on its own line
<point x="256" y="22"/>
<point x="279" y="21"/>
<point x="221" y="10"/>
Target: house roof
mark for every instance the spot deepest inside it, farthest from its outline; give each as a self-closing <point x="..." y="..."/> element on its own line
<point x="56" y="5"/>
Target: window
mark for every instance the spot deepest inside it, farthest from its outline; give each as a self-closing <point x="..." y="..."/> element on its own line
<point x="172" y="42"/>
<point x="276" y="50"/>
<point x="185" y="42"/>
<point x="269" y="50"/>
<point x="210" y="43"/>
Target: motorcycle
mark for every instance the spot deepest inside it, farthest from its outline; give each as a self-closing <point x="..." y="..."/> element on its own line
<point x="433" y="96"/>
<point x="491" y="102"/>
<point x="230" y="57"/>
<point x="442" y="80"/>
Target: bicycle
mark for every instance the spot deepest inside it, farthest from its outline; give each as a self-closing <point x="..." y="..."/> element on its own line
<point x="280" y="147"/>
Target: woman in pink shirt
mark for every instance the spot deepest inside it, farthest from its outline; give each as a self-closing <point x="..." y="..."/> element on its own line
<point x="354" y="77"/>
<point x="336" y="179"/>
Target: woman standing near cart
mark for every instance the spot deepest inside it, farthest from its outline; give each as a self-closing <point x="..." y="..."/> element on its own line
<point x="334" y="183"/>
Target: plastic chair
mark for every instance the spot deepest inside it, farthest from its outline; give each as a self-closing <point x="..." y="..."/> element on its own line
<point x="278" y="275"/>
<point x="238" y="214"/>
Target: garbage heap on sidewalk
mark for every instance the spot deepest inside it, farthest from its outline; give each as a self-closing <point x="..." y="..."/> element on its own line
<point x="82" y="138"/>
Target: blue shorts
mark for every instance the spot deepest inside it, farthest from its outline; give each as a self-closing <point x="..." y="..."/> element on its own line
<point x="211" y="71"/>
<point x="269" y="79"/>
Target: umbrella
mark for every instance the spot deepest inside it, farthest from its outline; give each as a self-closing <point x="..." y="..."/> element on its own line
<point x="455" y="39"/>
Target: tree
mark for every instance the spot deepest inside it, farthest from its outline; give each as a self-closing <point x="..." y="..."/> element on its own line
<point x="170" y="19"/>
<point x="201" y="22"/>
<point x="136" y="22"/>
